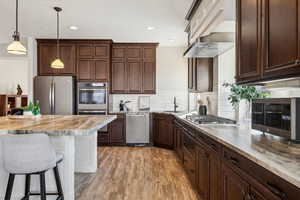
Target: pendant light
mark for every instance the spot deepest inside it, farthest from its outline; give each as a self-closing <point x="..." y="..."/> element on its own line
<point x="57" y="63"/>
<point x="15" y="47"/>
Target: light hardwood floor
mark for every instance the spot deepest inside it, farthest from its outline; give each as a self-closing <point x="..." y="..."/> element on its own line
<point x="137" y="173"/>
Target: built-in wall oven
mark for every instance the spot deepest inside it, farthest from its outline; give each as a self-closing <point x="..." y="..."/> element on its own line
<point x="92" y="99"/>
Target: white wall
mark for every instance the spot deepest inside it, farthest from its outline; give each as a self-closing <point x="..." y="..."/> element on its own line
<point x="13" y="71"/>
<point x="171" y="81"/>
<point x="18" y="70"/>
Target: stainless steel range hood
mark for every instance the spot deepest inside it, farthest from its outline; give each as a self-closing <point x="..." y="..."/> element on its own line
<point x="211" y="45"/>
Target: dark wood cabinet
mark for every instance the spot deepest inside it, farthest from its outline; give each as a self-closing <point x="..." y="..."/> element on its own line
<point x="85" y="69"/>
<point x="200" y="74"/>
<point x="248" y="40"/>
<point x="47" y="53"/>
<point x="234" y="187"/>
<point x="219" y="173"/>
<point x="101" y="70"/>
<point x="93" y="61"/>
<point x="133" y="68"/>
<point x="89" y="60"/>
<point x="163" y="130"/>
<point x="134" y="72"/>
<point x="203" y="172"/>
<point x="281" y="41"/>
<point x="116" y="133"/>
<point x="267" y="40"/>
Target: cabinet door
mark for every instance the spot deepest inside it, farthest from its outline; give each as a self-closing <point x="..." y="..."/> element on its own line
<point x="234" y="187"/>
<point x="119" y="78"/>
<point x="117" y="131"/>
<point x="248" y="66"/>
<point x="203" y="173"/>
<point x="282" y="38"/>
<point x="101" y="70"/>
<point x="133" y="52"/>
<point x="85" y="50"/>
<point x="189" y="163"/>
<point x="85" y="69"/>
<point x="204" y="70"/>
<point x="47" y="54"/>
<point x="163" y="133"/>
<point x="118" y="52"/>
<point x="134" y="72"/>
<point x="102" y="51"/>
<point x="261" y="193"/>
<point x="215" y="182"/>
<point x="149" y="77"/>
<point x="67" y="55"/>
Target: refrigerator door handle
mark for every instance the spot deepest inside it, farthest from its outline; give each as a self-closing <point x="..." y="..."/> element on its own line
<point x="53" y="98"/>
<point x="50" y="98"/>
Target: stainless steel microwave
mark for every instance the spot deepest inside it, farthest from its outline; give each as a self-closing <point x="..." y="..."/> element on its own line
<point x="277" y="116"/>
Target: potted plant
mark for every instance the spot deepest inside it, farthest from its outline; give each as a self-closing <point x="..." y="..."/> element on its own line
<point x="32" y="109"/>
<point x="243" y="94"/>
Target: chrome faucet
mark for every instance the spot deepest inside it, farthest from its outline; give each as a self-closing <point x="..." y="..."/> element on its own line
<point x="175" y="104"/>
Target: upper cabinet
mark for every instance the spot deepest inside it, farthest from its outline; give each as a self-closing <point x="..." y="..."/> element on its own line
<point x="47" y="53"/>
<point x="267" y="40"/>
<point x="200" y="74"/>
<point x="93" y="60"/>
<point x="89" y="60"/>
<point x="133" y="68"/>
<point x="248" y="40"/>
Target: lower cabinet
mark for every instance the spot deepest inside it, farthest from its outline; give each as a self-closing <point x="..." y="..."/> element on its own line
<point x="116" y="133"/>
<point x="234" y="187"/>
<point x="219" y="173"/>
<point x="163" y="130"/>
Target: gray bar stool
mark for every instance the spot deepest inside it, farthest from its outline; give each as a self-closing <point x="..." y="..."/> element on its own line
<point x="30" y="154"/>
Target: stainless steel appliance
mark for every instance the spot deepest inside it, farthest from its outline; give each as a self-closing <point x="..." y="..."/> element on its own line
<point x="208" y="119"/>
<point x="92" y="99"/>
<point x="277" y="116"/>
<point x="137" y="128"/>
<point x="56" y="94"/>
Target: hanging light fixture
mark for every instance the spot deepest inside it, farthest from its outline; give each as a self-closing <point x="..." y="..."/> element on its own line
<point x="15" y="47"/>
<point x="57" y="63"/>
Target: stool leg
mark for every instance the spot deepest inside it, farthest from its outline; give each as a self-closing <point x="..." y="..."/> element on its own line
<point x="9" y="187"/>
<point x="43" y="186"/>
<point x="27" y="187"/>
<point x="58" y="184"/>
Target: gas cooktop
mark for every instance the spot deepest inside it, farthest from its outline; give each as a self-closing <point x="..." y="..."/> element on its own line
<point x="208" y="119"/>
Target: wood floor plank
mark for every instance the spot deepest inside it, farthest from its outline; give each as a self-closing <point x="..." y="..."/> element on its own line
<point x="138" y="173"/>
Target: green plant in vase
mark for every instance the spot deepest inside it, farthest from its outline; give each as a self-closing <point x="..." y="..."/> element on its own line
<point x="244" y="93"/>
<point x="32" y="109"/>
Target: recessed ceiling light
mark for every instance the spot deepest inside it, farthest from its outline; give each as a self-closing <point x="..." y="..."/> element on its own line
<point x="73" y="28"/>
<point x="150" y="28"/>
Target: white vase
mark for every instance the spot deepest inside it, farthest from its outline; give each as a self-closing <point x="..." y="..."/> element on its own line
<point x="27" y="113"/>
<point x="244" y="113"/>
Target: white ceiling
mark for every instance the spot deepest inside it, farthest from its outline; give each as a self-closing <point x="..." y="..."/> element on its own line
<point x="120" y="20"/>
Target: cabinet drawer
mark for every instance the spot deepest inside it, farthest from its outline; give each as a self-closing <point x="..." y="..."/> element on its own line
<point x="270" y="181"/>
<point x="189" y="145"/>
<point x="189" y="164"/>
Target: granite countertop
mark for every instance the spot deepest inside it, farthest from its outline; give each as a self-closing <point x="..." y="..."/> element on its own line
<point x="54" y="125"/>
<point x="271" y="152"/>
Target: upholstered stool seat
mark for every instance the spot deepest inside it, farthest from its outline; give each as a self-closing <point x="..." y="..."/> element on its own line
<point x="30" y="154"/>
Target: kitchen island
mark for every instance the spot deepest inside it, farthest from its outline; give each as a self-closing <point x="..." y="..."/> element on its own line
<point x="73" y="136"/>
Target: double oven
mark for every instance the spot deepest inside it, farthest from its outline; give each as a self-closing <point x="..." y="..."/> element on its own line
<point x="92" y="99"/>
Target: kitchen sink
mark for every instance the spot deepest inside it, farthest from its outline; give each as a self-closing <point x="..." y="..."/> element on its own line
<point x="172" y="111"/>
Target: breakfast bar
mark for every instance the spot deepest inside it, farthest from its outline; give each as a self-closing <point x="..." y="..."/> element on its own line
<point x="73" y="136"/>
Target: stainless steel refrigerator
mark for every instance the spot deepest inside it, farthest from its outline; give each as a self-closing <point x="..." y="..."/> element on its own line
<point x="55" y="94"/>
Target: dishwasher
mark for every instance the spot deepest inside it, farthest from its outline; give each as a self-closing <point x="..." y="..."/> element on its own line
<point x="137" y="129"/>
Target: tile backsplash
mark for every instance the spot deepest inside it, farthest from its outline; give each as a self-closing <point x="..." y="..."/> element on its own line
<point x="162" y="101"/>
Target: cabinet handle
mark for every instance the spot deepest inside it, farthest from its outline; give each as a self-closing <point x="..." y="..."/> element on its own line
<point x="276" y="190"/>
<point x="234" y="161"/>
